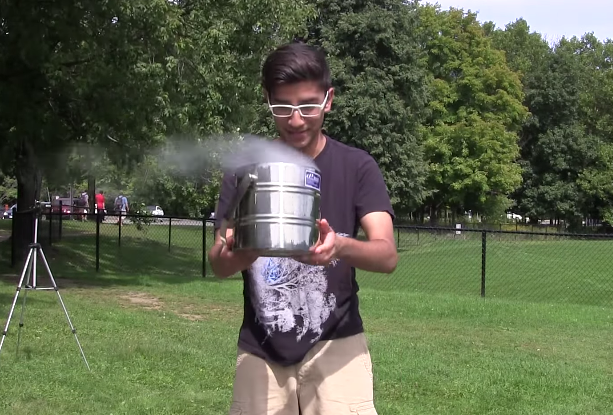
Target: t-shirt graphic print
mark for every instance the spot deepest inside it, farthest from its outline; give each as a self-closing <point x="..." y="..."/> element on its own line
<point x="289" y="296"/>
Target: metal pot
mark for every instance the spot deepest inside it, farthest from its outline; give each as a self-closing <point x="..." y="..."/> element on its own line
<point x="275" y="209"/>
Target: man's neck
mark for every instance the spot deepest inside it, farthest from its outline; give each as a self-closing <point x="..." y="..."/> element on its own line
<point x="316" y="147"/>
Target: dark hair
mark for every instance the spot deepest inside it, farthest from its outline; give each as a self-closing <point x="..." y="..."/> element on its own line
<point x="295" y="62"/>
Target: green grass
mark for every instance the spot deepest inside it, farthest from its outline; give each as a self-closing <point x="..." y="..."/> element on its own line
<point x="162" y="340"/>
<point x="518" y="267"/>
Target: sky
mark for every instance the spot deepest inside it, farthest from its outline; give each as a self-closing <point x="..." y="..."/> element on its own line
<point x="552" y="19"/>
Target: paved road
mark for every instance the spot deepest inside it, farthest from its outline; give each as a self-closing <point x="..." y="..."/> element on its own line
<point x="164" y="221"/>
<point x="181" y="222"/>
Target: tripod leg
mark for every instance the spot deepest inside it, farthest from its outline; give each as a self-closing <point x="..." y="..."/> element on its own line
<point x="31" y="270"/>
<point x="19" y="287"/>
<point x="72" y="328"/>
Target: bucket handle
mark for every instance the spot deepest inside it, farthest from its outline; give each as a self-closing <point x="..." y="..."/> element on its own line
<point x="228" y="218"/>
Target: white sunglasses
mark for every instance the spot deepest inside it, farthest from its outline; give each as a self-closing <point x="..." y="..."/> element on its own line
<point x="306" y="110"/>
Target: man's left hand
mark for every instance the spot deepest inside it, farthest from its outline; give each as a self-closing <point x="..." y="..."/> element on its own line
<point x="325" y="250"/>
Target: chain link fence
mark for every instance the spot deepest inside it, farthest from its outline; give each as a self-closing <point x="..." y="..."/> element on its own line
<point x="502" y="264"/>
<point x="513" y="265"/>
<point x="119" y="244"/>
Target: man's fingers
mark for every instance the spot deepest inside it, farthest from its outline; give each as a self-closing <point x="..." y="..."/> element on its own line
<point x="323" y="250"/>
<point x="327" y="245"/>
<point x="217" y="248"/>
<point x="324" y="226"/>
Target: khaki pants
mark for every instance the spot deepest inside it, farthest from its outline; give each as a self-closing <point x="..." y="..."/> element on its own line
<point x="334" y="378"/>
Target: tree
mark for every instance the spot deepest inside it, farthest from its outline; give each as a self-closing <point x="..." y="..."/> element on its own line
<point x="558" y="158"/>
<point x="125" y="74"/>
<point x="184" y="176"/>
<point x="475" y="113"/>
<point x="566" y="140"/>
<point x="8" y="189"/>
<point x="557" y="144"/>
<point x="596" y="113"/>
<point x="78" y="73"/>
<point x="380" y="86"/>
<point x="524" y="50"/>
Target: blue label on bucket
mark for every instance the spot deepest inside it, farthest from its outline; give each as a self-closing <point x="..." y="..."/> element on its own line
<point x="312" y="180"/>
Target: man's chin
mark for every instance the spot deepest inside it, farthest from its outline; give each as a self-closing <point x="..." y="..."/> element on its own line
<point x="298" y="141"/>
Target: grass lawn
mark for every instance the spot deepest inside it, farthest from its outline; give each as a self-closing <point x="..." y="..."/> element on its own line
<point x="162" y="340"/>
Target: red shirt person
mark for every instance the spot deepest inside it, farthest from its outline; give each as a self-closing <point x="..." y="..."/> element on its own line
<point x="100" y="205"/>
<point x="100" y="200"/>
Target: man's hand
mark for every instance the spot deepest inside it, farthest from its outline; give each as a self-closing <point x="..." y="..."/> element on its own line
<point x="324" y="251"/>
<point x="226" y="262"/>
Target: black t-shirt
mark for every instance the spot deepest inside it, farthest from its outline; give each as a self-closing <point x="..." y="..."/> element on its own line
<point x="282" y="322"/>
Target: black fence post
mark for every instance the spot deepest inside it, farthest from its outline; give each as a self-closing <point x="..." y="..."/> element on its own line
<point x="483" y="255"/>
<point x="203" y="247"/>
<point x="97" y="243"/>
<point x="119" y="220"/>
<point x="50" y="216"/>
<point x="169" y="232"/>
<point x="59" y="237"/>
<point x="397" y="238"/>
<point x="13" y="238"/>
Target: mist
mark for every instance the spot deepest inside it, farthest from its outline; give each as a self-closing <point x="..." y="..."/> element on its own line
<point x="187" y="157"/>
<point x="227" y="153"/>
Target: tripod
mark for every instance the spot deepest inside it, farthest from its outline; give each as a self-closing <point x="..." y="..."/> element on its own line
<point x="29" y="274"/>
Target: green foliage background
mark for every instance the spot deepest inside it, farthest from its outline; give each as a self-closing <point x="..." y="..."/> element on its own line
<point x="462" y="116"/>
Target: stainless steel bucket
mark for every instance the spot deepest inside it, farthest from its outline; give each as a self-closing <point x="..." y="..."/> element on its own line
<point x="275" y="209"/>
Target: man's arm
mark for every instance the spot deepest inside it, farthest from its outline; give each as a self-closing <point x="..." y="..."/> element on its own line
<point x="373" y="207"/>
<point x="378" y="253"/>
<point x="221" y="269"/>
<point x="223" y="261"/>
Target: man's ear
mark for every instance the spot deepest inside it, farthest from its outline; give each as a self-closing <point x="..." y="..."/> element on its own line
<point x="328" y="105"/>
<point x="265" y="94"/>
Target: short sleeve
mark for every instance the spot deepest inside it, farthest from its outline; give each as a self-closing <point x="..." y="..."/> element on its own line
<point x="372" y="194"/>
<point x="226" y="194"/>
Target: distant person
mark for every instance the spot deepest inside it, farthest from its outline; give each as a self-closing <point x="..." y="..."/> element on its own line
<point x="100" y="206"/>
<point x="84" y="204"/>
<point x="121" y="207"/>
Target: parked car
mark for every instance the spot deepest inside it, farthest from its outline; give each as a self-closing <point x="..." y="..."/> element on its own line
<point x="8" y="214"/>
<point x="155" y="210"/>
<point x="54" y="207"/>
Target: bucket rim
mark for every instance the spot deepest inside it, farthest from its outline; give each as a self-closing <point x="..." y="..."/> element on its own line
<point x="249" y="167"/>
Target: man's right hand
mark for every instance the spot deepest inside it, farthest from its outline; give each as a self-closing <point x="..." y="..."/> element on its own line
<point x="225" y="262"/>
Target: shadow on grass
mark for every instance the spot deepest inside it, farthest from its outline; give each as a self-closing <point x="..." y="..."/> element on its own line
<point x="47" y="300"/>
<point x="137" y="261"/>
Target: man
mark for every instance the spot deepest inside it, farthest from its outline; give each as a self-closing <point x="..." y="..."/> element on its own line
<point x="301" y="348"/>
<point x="84" y="204"/>
<point x="121" y="207"/>
<point x="100" y="208"/>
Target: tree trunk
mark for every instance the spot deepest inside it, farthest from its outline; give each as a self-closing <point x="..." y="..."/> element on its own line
<point x="91" y="193"/>
<point x="29" y="180"/>
<point x="434" y="214"/>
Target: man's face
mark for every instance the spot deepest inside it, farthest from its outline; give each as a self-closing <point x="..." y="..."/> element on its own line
<point x="301" y="132"/>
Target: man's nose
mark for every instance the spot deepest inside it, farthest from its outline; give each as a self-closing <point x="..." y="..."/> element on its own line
<point x="296" y="120"/>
